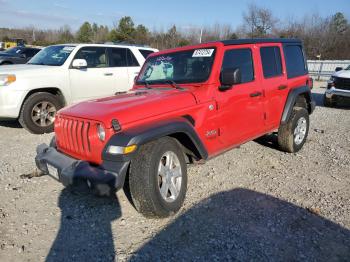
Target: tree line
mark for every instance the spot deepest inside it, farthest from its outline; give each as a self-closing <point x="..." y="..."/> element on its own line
<point x="323" y="37"/>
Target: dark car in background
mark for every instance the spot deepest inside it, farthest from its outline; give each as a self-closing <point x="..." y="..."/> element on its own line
<point x="17" y="55"/>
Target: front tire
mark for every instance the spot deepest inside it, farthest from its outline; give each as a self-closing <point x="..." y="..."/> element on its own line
<point x="38" y="112"/>
<point x="158" y="178"/>
<point x="293" y="134"/>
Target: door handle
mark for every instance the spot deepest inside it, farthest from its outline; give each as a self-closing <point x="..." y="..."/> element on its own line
<point x="282" y="87"/>
<point x="255" y="94"/>
<point x="108" y="74"/>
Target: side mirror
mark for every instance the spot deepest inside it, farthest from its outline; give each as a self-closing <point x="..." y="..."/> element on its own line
<point x="23" y="56"/>
<point x="338" y="68"/>
<point x="79" y="64"/>
<point x="230" y="77"/>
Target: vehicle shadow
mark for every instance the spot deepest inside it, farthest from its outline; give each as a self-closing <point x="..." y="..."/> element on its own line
<point x="245" y="225"/>
<point x="269" y="140"/>
<point x="10" y="123"/>
<point x="85" y="232"/>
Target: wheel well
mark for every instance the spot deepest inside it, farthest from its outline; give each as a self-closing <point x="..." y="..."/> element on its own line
<point x="6" y="63"/>
<point x="189" y="147"/>
<point x="303" y="100"/>
<point x="52" y="90"/>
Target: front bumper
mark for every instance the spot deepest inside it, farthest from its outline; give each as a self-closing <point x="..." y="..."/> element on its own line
<point x="334" y="92"/>
<point x="67" y="170"/>
<point x="10" y="102"/>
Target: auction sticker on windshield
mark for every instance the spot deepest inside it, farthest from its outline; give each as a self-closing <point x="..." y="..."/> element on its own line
<point x="203" y="53"/>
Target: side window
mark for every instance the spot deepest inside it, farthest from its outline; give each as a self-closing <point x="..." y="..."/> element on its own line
<point x="29" y="52"/>
<point x="295" y="62"/>
<point x="242" y="59"/>
<point x="94" y="56"/>
<point x="271" y="61"/>
<point x="118" y="57"/>
<point x="145" y="53"/>
<point x="132" y="61"/>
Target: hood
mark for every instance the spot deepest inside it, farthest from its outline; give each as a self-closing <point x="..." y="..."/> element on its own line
<point x="342" y="73"/>
<point x="26" y="69"/>
<point x="132" y="106"/>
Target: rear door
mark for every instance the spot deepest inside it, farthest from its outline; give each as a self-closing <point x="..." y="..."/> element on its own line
<point x="274" y="82"/>
<point x="123" y="65"/>
<point x="240" y="108"/>
<point x="94" y="81"/>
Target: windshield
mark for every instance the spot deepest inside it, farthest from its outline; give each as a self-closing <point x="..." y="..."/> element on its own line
<point x="52" y="55"/>
<point x="13" y="50"/>
<point x="190" y="66"/>
<point x="348" y="68"/>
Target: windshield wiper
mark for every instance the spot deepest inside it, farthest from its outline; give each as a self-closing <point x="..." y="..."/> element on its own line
<point x="147" y="84"/>
<point x="173" y="83"/>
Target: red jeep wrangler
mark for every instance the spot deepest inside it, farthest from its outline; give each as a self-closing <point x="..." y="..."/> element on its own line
<point x="188" y="104"/>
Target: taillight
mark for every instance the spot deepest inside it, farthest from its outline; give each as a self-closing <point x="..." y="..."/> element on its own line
<point x="310" y="83"/>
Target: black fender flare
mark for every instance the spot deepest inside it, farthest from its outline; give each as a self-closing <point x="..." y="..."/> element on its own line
<point x="292" y="98"/>
<point x="142" y="134"/>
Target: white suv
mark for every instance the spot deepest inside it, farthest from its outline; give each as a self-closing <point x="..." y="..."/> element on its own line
<point x="60" y="75"/>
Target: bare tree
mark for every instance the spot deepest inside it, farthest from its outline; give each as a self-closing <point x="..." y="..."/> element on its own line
<point x="259" y="21"/>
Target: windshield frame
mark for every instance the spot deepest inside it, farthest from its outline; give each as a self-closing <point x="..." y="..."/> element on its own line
<point x="176" y="81"/>
<point x="73" y="48"/>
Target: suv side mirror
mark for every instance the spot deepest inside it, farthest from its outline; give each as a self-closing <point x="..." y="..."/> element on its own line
<point x="23" y="56"/>
<point x="230" y="77"/>
<point x="338" y="68"/>
<point x="79" y="64"/>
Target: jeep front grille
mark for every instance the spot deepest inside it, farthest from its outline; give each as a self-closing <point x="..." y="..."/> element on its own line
<point x="73" y="136"/>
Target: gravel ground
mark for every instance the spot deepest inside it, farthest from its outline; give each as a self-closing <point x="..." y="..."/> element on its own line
<point x="251" y="203"/>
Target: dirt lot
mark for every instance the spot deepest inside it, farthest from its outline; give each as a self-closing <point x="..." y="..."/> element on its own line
<point x="252" y="203"/>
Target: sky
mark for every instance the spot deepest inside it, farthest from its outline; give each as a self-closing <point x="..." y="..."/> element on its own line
<point x="155" y="14"/>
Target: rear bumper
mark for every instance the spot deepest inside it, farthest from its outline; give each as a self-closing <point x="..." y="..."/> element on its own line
<point x="332" y="92"/>
<point x="67" y="169"/>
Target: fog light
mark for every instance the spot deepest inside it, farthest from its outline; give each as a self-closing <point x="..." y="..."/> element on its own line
<point x="101" y="132"/>
<point x="120" y="150"/>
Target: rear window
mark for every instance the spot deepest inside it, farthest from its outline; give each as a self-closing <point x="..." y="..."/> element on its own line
<point x="295" y="61"/>
<point x="271" y="61"/>
<point x="145" y="53"/>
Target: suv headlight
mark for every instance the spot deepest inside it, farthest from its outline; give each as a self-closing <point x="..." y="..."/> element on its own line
<point x="5" y="80"/>
<point x="101" y="132"/>
<point x="331" y="79"/>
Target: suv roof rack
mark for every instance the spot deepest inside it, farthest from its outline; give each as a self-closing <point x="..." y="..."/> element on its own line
<point x="125" y="43"/>
<point x="260" y="40"/>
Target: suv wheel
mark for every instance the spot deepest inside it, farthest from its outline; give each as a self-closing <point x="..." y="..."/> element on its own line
<point x="328" y="102"/>
<point x="158" y="178"/>
<point x="38" y="112"/>
<point x="293" y="134"/>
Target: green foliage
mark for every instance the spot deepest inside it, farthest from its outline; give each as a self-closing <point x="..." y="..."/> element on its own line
<point x="85" y="33"/>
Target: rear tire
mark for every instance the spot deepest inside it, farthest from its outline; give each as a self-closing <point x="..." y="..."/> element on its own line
<point x="38" y="112"/>
<point x="293" y="134"/>
<point x="158" y="178"/>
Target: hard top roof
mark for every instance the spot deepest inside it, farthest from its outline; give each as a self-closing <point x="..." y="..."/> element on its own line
<point x="260" y="40"/>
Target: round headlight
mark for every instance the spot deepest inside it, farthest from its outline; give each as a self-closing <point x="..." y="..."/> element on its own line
<point x="101" y="132"/>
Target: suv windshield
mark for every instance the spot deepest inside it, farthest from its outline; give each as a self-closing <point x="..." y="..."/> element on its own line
<point x="52" y="55"/>
<point x="13" y="50"/>
<point x="190" y="66"/>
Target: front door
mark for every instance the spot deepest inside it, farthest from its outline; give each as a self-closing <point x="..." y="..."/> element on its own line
<point x="94" y="81"/>
<point x="240" y="109"/>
